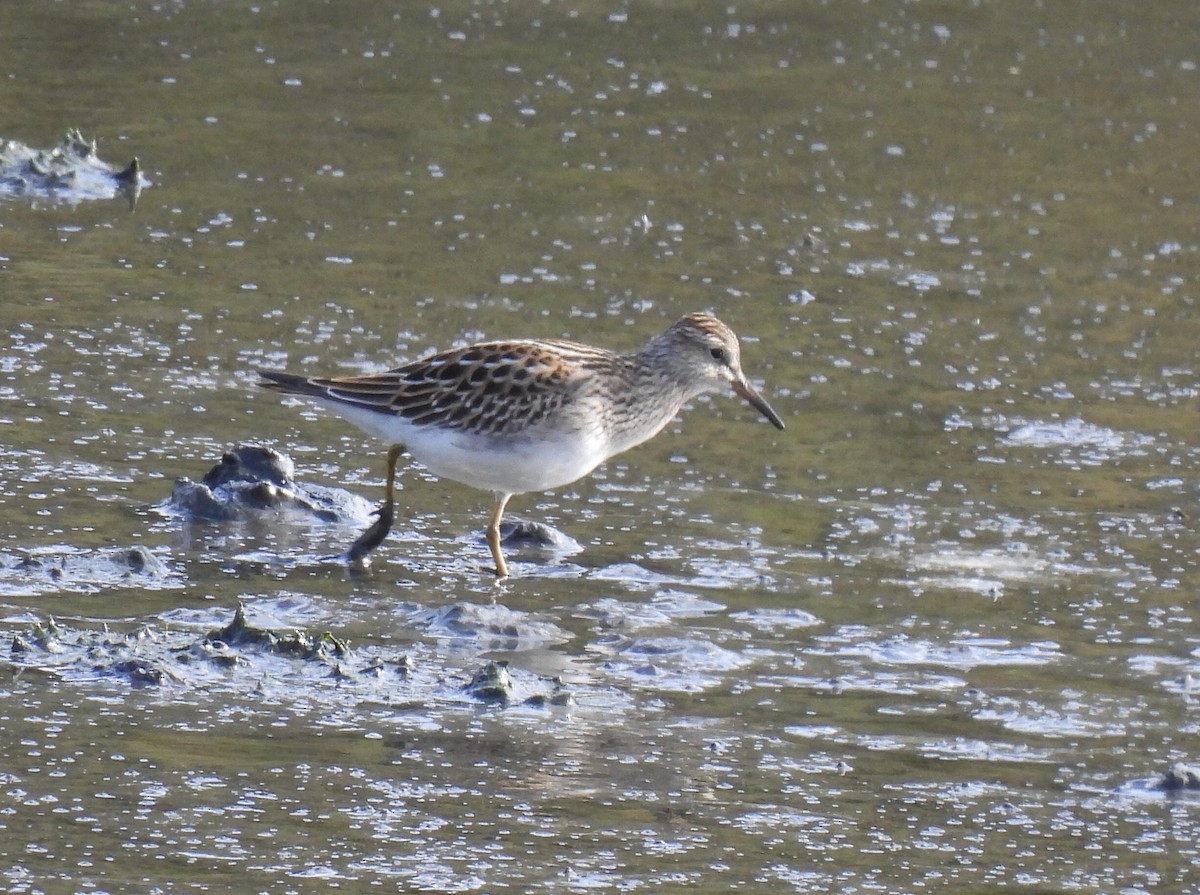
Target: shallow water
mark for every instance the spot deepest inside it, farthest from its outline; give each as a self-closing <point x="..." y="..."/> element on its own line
<point x="938" y="635"/>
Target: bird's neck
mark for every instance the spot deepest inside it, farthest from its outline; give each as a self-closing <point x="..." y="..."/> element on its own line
<point x="648" y="398"/>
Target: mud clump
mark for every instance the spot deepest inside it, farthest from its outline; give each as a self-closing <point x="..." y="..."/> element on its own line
<point x="241" y="658"/>
<point x="251" y="481"/>
<point x="1180" y="777"/>
<point x="492" y="683"/>
<point x="70" y="172"/>
<point x="291" y="644"/>
<point x="81" y="570"/>
<point x="496" y="684"/>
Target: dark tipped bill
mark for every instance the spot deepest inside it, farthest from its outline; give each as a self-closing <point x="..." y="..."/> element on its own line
<point x="746" y="390"/>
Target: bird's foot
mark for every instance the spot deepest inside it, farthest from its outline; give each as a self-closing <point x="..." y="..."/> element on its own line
<point x="373" y="536"/>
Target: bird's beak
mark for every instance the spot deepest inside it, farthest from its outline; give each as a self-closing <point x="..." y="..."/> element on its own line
<point x="746" y="390"/>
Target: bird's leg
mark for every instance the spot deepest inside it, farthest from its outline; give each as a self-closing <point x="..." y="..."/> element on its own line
<point x="493" y="534"/>
<point x="373" y="536"/>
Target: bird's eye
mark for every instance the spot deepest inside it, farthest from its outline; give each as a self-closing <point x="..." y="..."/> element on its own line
<point x="719" y="355"/>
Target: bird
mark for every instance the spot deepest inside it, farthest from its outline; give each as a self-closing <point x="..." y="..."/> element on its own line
<point x="525" y="415"/>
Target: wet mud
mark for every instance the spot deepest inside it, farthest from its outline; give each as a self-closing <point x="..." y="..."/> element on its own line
<point x="237" y="654"/>
<point x="44" y="570"/>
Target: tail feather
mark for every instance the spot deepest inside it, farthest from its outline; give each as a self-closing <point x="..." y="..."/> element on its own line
<point x="290" y="384"/>
<point x="374" y="393"/>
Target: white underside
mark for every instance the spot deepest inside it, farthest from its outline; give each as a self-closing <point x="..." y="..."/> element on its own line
<point x="508" y="465"/>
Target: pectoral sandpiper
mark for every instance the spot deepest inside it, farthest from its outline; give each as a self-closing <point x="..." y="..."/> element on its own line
<point x="530" y="414"/>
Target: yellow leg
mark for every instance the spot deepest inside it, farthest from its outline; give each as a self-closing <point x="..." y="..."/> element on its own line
<point x="373" y="536"/>
<point x="493" y="534"/>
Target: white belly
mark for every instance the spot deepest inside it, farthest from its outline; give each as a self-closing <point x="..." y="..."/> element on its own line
<point x="508" y="465"/>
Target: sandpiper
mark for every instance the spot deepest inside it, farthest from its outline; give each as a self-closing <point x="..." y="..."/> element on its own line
<point x="530" y="414"/>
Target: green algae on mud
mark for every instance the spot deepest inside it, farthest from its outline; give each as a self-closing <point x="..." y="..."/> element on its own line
<point x="295" y="644"/>
<point x="496" y="684"/>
